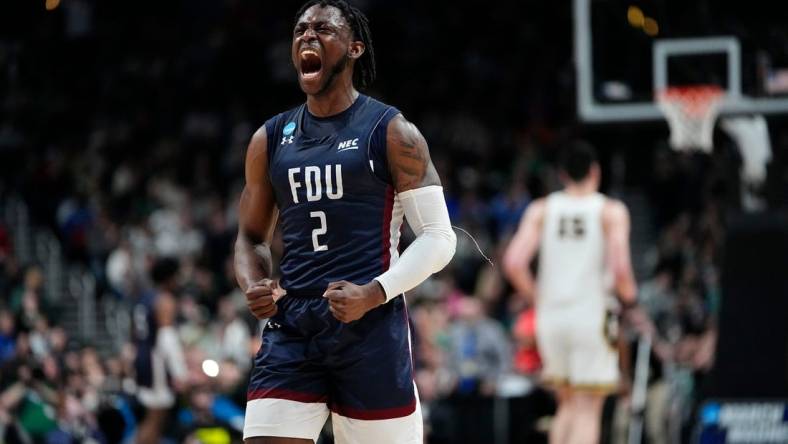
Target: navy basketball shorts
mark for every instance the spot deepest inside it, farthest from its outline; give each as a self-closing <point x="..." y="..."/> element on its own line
<point x="311" y="365"/>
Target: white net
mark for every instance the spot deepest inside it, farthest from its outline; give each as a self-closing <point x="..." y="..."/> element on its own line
<point x="691" y="113"/>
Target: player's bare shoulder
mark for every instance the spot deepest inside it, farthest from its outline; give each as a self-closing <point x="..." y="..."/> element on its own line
<point x="614" y="214"/>
<point x="535" y="212"/>
<point x="408" y="156"/>
<point x="538" y="206"/>
<point x="257" y="152"/>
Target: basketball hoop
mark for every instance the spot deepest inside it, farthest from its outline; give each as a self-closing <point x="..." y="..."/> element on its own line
<point x="691" y="112"/>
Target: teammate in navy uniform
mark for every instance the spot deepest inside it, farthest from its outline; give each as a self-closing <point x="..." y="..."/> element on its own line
<point x="339" y="173"/>
<point x="160" y="365"/>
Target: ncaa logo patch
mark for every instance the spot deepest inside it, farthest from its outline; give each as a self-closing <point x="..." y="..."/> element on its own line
<point x="289" y="128"/>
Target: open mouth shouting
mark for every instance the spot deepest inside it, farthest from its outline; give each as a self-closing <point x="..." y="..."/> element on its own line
<point x="310" y="64"/>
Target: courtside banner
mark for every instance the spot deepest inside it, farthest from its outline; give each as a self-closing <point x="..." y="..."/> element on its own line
<point x="751" y="422"/>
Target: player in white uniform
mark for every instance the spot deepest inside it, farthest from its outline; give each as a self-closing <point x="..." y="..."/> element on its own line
<point x="583" y="240"/>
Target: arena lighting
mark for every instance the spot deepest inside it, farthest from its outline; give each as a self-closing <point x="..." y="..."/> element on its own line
<point x="635" y="16"/>
<point x="650" y="26"/>
<point x="210" y="368"/>
<point x="51" y="5"/>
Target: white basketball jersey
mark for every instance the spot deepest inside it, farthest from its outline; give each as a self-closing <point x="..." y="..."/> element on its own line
<point x="572" y="265"/>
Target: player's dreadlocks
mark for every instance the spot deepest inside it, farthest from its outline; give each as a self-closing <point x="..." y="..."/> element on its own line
<point x="364" y="72"/>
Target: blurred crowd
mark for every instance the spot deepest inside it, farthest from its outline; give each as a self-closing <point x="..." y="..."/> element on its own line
<point x="123" y="128"/>
<point x="474" y="339"/>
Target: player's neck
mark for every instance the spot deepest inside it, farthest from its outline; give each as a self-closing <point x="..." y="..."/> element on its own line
<point x="332" y="101"/>
<point x="579" y="189"/>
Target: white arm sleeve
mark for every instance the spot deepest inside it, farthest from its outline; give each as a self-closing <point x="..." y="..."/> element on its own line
<point x="426" y="212"/>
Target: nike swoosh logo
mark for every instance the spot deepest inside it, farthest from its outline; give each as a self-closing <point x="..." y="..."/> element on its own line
<point x="347" y="149"/>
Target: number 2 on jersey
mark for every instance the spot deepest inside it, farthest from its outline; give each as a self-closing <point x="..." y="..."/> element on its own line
<point x="319" y="231"/>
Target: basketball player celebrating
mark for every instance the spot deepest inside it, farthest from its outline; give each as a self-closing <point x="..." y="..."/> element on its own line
<point x="339" y="172"/>
<point x="581" y="235"/>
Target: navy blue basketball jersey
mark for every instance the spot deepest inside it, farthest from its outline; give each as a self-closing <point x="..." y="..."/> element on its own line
<point x="339" y="215"/>
<point x="143" y="333"/>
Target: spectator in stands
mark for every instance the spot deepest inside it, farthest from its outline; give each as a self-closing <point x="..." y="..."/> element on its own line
<point x="233" y="334"/>
<point x="208" y="414"/>
<point x="479" y="355"/>
<point x="9" y="276"/>
<point x="7" y="336"/>
<point x="526" y="355"/>
<point x="5" y="245"/>
<point x="479" y="350"/>
<point x="26" y="301"/>
<point x="30" y="400"/>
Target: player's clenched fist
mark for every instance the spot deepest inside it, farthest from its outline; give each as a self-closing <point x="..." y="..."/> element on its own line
<point x="261" y="298"/>
<point x="348" y="302"/>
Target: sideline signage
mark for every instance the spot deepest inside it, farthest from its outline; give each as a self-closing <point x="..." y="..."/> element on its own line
<point x="748" y="422"/>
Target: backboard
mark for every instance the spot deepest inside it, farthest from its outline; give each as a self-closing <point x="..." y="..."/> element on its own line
<point x="627" y="50"/>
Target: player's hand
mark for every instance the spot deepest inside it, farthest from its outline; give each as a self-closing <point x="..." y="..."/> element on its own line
<point x="703" y="358"/>
<point x="640" y="322"/>
<point x="348" y="302"/>
<point x="261" y="298"/>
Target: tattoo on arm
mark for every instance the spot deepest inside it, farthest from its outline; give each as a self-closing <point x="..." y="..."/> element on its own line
<point x="408" y="156"/>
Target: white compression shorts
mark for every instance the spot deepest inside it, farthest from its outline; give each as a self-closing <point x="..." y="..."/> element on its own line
<point x="286" y="418"/>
